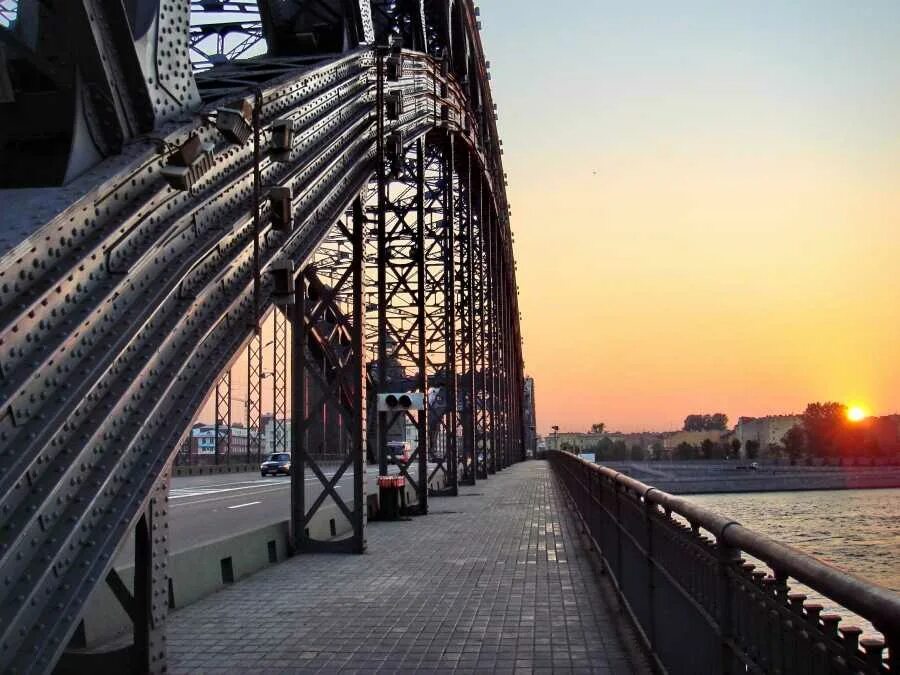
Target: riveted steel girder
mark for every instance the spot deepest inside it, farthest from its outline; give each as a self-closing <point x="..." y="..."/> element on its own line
<point x="127" y="298"/>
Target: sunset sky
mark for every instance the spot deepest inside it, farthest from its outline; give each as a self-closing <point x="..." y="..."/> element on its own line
<point x="706" y="200"/>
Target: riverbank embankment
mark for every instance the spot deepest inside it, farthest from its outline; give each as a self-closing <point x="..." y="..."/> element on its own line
<point x="711" y="477"/>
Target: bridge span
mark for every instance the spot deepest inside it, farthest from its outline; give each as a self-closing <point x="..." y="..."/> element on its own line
<point x="180" y="179"/>
<point x="178" y="175"/>
<point x="494" y="580"/>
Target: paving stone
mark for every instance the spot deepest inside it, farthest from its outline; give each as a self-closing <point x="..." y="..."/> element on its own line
<point x="494" y="580"/>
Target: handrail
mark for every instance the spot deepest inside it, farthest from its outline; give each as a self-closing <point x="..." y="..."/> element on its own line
<point x="876" y="603"/>
<point x="739" y="591"/>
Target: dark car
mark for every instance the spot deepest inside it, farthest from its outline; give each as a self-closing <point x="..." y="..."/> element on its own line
<point x="278" y="463"/>
<point x="397" y="452"/>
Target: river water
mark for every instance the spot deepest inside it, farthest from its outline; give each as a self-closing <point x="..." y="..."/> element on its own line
<point x="855" y="530"/>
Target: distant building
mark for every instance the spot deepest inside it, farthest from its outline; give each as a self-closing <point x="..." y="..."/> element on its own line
<point x="572" y="439"/>
<point x="764" y="431"/>
<point x="590" y="441"/>
<point x="643" y="439"/>
<point x="201" y="446"/>
<point x="268" y="435"/>
<point x="530" y="418"/>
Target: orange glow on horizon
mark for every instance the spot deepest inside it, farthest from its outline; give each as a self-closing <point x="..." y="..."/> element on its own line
<point x="856" y="414"/>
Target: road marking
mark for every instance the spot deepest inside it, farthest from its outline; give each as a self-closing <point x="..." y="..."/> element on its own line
<point x="227" y="497"/>
<point x="183" y="492"/>
<point x="240" y="506"/>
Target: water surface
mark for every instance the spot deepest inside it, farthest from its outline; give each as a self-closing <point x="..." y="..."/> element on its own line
<point x="855" y="530"/>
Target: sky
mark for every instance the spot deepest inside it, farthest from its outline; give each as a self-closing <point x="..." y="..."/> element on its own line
<point x="706" y="203"/>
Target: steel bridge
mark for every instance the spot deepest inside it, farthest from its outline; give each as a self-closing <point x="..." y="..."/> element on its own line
<point x="179" y="174"/>
<point x="301" y="205"/>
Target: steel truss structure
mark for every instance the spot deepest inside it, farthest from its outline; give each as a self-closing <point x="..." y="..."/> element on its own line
<point x="329" y="391"/>
<point x="280" y="361"/>
<point x="350" y="176"/>
<point x="223" y="418"/>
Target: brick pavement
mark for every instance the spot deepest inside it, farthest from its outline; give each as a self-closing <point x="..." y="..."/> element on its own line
<point x="492" y="581"/>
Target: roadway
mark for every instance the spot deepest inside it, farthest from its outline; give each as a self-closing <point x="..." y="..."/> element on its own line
<point x="207" y="508"/>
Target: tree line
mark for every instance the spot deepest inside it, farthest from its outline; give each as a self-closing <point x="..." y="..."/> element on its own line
<point x="824" y="432"/>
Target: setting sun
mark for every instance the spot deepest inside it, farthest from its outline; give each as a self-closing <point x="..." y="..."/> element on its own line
<point x="856" y="414"/>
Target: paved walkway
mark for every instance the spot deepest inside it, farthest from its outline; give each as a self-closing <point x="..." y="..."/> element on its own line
<point x="492" y="581"/>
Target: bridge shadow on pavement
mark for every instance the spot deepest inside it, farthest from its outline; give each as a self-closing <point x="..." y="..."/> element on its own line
<point x="492" y="581"/>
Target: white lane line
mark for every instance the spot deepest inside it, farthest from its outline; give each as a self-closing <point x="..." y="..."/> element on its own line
<point x="196" y="492"/>
<point x="240" y="506"/>
<point x="204" y="490"/>
<point x="211" y="486"/>
<point x="227" y="497"/>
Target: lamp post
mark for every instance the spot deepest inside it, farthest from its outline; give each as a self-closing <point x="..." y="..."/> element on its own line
<point x="555" y="436"/>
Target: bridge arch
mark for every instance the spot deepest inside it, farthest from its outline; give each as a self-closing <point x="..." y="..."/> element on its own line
<point x="120" y="311"/>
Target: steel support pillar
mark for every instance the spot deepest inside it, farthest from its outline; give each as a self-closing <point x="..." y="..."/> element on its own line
<point x="450" y="292"/>
<point x="329" y="390"/>
<point x="421" y="356"/>
<point x="493" y="364"/>
<point x="440" y="316"/>
<point x="402" y="291"/>
<point x="467" y="336"/>
<point x="223" y="418"/>
<point x="254" y="396"/>
<point x="279" y="382"/>
<point x="147" y="605"/>
<point x="481" y="321"/>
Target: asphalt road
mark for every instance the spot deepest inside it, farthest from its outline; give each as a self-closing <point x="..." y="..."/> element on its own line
<point x="207" y="508"/>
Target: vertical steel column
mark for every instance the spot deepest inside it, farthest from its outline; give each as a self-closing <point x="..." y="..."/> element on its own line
<point x="402" y="294"/>
<point x="381" y="258"/>
<point x="254" y="394"/>
<point x="440" y="320"/>
<point x="509" y="382"/>
<point x="223" y="414"/>
<point x="467" y="323"/>
<point x="279" y="382"/>
<point x="421" y="356"/>
<point x="254" y="361"/>
<point x="299" y="435"/>
<point x="358" y="379"/>
<point x="149" y="605"/>
<point x="481" y="362"/>
<point x="328" y="387"/>
<point x="450" y="225"/>
<point x="516" y="380"/>
<point x="508" y="376"/>
<point x="492" y="364"/>
<point x="499" y="364"/>
<point x="500" y="336"/>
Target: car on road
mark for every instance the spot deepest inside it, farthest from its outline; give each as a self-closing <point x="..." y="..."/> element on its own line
<point x="277" y="463"/>
<point x="398" y="452"/>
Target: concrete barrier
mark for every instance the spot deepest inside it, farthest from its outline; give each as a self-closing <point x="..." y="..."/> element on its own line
<point x="199" y="571"/>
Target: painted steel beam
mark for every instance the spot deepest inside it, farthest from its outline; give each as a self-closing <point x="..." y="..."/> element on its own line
<point x="133" y="297"/>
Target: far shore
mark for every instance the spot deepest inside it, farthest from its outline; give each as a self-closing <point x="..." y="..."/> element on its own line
<point x="699" y="477"/>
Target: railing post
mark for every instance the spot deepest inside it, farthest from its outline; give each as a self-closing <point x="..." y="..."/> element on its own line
<point x="618" y="571"/>
<point x="651" y="586"/>
<point x="727" y="558"/>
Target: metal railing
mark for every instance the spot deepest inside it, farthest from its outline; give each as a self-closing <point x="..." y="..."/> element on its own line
<point x="701" y="606"/>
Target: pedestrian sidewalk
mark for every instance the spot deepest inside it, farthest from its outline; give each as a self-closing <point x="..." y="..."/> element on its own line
<point x="495" y="580"/>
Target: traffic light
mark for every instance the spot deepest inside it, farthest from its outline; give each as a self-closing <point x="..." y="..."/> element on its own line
<point x="400" y="402"/>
